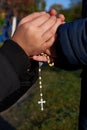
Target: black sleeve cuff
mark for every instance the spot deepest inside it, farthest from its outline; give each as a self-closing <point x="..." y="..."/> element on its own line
<point x="16" y="56"/>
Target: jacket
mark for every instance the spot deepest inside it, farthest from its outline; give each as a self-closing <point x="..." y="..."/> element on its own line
<point x="17" y="73"/>
<point x="71" y="43"/>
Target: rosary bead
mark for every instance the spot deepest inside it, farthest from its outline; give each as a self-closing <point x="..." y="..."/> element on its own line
<point x="41" y="94"/>
<point x="39" y="77"/>
<point x="40" y="82"/>
<point x="40" y="86"/>
<point x="39" y="69"/>
<point x="51" y="64"/>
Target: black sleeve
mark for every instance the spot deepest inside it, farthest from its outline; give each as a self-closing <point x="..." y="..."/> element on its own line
<point x="71" y="45"/>
<point x="84" y="8"/>
<point x="16" y="71"/>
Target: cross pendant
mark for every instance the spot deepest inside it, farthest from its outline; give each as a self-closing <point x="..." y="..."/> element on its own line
<point x="41" y="102"/>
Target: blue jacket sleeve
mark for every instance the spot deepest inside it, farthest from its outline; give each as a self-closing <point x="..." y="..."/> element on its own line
<point x="71" y="45"/>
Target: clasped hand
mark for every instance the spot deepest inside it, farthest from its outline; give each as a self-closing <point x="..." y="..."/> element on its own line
<point x="36" y="33"/>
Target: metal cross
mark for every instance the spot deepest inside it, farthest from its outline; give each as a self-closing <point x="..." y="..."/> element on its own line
<point x="41" y="102"/>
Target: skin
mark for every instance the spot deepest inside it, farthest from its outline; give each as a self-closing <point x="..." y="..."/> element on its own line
<point x="36" y="32"/>
<point x="54" y="13"/>
<point x="50" y="51"/>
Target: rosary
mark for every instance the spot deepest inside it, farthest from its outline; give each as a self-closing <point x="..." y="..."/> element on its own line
<point x="40" y="79"/>
<point x="40" y="64"/>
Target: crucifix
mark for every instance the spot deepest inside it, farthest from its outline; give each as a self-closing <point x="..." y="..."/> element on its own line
<point x="41" y="102"/>
<point x="40" y="80"/>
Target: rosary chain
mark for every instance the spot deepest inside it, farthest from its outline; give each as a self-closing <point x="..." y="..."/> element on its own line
<point x="40" y="80"/>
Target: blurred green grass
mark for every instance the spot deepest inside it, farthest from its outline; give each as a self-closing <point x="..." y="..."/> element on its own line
<point x="1" y="44"/>
<point x="61" y="91"/>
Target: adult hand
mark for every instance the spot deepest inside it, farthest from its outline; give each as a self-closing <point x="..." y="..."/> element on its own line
<point x="50" y="51"/>
<point x="35" y="33"/>
<point x="54" y="13"/>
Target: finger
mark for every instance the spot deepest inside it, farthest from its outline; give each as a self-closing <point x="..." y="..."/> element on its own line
<point x="51" y="52"/>
<point x="40" y="58"/>
<point x="31" y="17"/>
<point x="48" y="52"/>
<point x="62" y="17"/>
<point x="51" y="32"/>
<point x="46" y="45"/>
<point x="53" y="12"/>
<point x="63" y="22"/>
<point x="48" y="24"/>
<point x="40" y="20"/>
